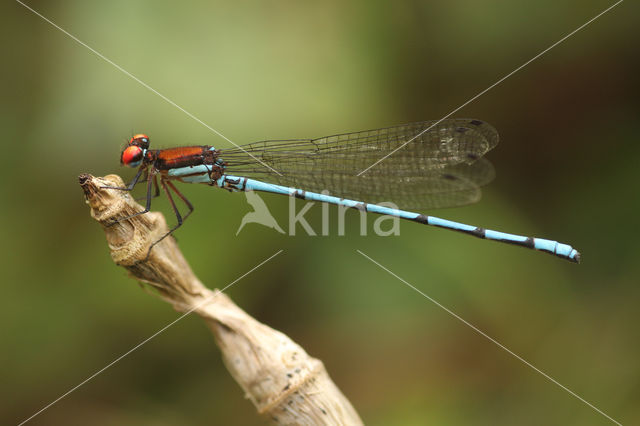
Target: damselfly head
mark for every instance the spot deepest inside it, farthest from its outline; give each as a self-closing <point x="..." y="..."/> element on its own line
<point x="134" y="152"/>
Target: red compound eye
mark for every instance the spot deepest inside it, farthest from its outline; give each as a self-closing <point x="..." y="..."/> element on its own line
<point x="141" y="140"/>
<point x="131" y="156"/>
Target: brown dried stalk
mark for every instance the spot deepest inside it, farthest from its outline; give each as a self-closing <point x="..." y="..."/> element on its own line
<point x="276" y="374"/>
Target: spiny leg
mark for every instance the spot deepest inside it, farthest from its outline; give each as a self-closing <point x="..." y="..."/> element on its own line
<point x="155" y="184"/>
<point x="166" y="185"/>
<point x="148" y="206"/>
<point x="182" y="197"/>
<point x="133" y="183"/>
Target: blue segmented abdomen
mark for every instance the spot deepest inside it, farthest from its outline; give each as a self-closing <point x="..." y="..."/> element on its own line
<point x="564" y="251"/>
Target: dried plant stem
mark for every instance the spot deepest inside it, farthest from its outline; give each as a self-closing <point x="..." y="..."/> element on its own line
<point x="276" y="374"/>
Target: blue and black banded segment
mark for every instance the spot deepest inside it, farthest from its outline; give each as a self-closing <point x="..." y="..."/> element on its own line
<point x="555" y="248"/>
<point x="564" y="251"/>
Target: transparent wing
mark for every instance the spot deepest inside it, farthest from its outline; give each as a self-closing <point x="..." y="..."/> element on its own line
<point x="440" y="167"/>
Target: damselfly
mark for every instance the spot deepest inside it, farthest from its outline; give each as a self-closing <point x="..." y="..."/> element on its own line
<point x="441" y="166"/>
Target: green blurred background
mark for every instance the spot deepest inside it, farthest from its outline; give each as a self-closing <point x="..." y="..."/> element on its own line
<point x="567" y="169"/>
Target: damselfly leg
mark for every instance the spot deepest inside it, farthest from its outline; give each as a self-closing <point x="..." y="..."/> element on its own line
<point x="167" y="186"/>
<point x="155" y="184"/>
<point x="133" y="182"/>
<point x="151" y="174"/>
